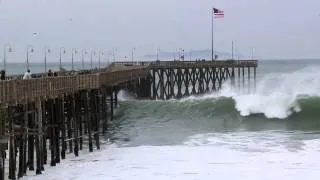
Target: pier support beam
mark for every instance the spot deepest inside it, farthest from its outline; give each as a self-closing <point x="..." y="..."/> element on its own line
<point x="255" y="78"/>
<point x="52" y="136"/>
<point x="22" y="109"/>
<point x="3" y="142"/>
<point x="94" y="117"/>
<point x="63" y="127"/>
<point x="148" y="87"/>
<point x="89" y="119"/>
<point x="57" y="125"/>
<point x="82" y="116"/>
<point x="104" y="111"/>
<point x="161" y="81"/>
<point x="12" y="143"/>
<point x="179" y="82"/>
<point x="249" y="80"/>
<point x="75" y="122"/>
<point x="154" y="86"/>
<point x="111" y="106"/>
<point x="115" y="92"/>
<point x="2" y="159"/>
<point x="69" y="111"/>
<point x="31" y="132"/>
<point x="45" y="134"/>
<point x="39" y="136"/>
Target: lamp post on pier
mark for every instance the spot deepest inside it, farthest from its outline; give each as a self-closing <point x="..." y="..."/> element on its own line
<point x="133" y="50"/>
<point x="46" y="50"/>
<point x="114" y="50"/>
<point x="252" y="54"/>
<point x="99" y="58"/>
<point x="94" y="54"/>
<point x="60" y="57"/>
<point x="83" y="52"/>
<point x="6" y="48"/>
<point x="232" y="50"/>
<point x="158" y="50"/>
<point x="31" y="50"/>
<point x="74" y="52"/>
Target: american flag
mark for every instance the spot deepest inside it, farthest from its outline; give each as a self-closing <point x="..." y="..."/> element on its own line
<point x="218" y="13"/>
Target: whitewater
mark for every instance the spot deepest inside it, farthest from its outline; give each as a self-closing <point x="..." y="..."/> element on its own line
<point x="277" y="95"/>
<point x="205" y="156"/>
<point x="270" y="132"/>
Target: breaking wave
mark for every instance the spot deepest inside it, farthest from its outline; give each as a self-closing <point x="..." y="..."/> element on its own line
<point x="280" y="95"/>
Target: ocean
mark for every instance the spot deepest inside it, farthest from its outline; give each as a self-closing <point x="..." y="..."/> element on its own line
<point x="272" y="133"/>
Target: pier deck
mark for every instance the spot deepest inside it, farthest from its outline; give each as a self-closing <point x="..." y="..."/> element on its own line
<point x="64" y="110"/>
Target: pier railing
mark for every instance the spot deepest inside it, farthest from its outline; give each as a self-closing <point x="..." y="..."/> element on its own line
<point x="21" y="91"/>
<point x="203" y="64"/>
<point x="195" y="64"/>
<point x="117" y="77"/>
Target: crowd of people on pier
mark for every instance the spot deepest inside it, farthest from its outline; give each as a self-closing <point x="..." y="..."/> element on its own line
<point x="50" y="73"/>
<point x="28" y="74"/>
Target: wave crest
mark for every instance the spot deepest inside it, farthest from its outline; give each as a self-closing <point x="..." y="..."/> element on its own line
<point x="277" y="95"/>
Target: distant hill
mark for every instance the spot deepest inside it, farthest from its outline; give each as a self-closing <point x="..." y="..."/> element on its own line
<point x="199" y="54"/>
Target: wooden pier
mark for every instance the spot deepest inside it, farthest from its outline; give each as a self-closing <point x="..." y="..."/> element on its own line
<point x="43" y="119"/>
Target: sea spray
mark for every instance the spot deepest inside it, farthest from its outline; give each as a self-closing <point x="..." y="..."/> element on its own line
<point x="277" y="95"/>
<point x="124" y="95"/>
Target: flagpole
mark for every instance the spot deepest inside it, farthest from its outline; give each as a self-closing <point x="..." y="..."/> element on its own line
<point x="232" y="48"/>
<point x="212" y="33"/>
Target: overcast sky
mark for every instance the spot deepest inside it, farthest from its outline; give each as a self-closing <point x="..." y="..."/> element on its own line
<point x="274" y="28"/>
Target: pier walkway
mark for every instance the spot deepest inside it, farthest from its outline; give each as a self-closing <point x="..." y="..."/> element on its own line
<point x="53" y="116"/>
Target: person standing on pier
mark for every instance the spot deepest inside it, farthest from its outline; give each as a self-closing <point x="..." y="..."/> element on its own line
<point x="3" y="75"/>
<point x="50" y="73"/>
<point x="27" y="75"/>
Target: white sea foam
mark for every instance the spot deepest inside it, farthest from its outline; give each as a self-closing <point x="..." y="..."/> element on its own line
<point x="126" y="96"/>
<point x="204" y="156"/>
<point x="277" y="95"/>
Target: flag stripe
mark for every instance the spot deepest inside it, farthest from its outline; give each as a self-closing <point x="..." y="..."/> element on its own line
<point x="218" y="13"/>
